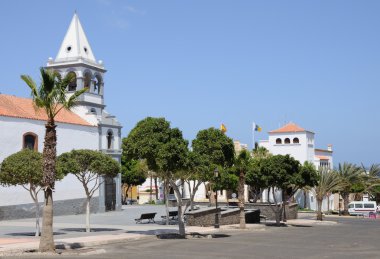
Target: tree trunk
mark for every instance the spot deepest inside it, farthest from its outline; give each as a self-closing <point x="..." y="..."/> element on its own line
<point x="284" y="201"/>
<point x="151" y="189"/>
<point x="241" y="199"/>
<point x="88" y="229"/>
<point x="37" y="215"/>
<point x="166" y="186"/>
<point x="278" y="208"/>
<point x="319" y="209"/>
<point x="304" y="199"/>
<point x="181" y="212"/>
<point x="49" y="159"/>
<point x="156" y="187"/>
<point x="345" y="197"/>
<point x="126" y="194"/>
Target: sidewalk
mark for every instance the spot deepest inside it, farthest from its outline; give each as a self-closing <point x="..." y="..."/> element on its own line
<point x="111" y="227"/>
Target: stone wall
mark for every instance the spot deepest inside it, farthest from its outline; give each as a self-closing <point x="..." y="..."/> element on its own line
<point x="61" y="207"/>
<point x="202" y="217"/>
<point x="266" y="210"/>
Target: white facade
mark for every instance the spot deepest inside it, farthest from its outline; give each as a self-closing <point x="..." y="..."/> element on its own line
<point x="91" y="128"/>
<point x="300" y="144"/>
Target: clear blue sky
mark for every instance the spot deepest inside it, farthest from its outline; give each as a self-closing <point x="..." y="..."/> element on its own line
<point x="202" y="63"/>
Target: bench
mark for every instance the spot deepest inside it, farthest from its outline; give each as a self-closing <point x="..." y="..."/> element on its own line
<point x="173" y="215"/>
<point x="147" y="216"/>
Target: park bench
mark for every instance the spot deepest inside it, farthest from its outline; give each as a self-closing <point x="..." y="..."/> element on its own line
<point x="147" y="216"/>
<point x="173" y="215"/>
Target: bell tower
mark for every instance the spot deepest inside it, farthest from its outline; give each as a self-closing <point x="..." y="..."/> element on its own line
<point x="75" y="56"/>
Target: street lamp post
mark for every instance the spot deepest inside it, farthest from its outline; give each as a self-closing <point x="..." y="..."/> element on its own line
<point x="216" y="175"/>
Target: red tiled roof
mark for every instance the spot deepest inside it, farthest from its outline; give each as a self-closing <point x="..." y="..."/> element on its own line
<point x="290" y="127"/>
<point x="12" y="106"/>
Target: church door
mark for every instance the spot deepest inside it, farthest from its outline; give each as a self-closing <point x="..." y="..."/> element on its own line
<point x="110" y="193"/>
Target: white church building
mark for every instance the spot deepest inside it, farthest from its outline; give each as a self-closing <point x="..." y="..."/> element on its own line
<point x="88" y="126"/>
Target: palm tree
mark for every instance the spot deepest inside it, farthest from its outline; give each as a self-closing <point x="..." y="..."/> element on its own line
<point x="328" y="181"/>
<point x="51" y="98"/>
<point x="371" y="179"/>
<point x="242" y="163"/>
<point x="350" y="175"/>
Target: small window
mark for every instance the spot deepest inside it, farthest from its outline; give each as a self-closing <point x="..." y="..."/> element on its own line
<point x="350" y="206"/>
<point x="73" y="83"/>
<point x="93" y="110"/>
<point x="296" y="141"/>
<point x="30" y="140"/>
<point x="68" y="49"/>
<point x="109" y="139"/>
<point x="358" y="206"/>
<point x="287" y="141"/>
<point x="278" y="141"/>
<point x="87" y="80"/>
<point x="369" y="205"/>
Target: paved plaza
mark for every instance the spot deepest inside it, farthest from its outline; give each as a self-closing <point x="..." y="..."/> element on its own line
<point x="117" y="236"/>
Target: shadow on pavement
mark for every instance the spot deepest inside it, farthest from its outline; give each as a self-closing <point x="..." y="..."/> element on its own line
<point x="92" y="229"/>
<point x="31" y="234"/>
<point x="152" y="232"/>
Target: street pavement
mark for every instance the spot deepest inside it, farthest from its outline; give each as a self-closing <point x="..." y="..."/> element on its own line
<point x="115" y="234"/>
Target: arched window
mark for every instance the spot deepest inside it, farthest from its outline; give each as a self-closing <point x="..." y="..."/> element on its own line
<point x="98" y="84"/>
<point x="278" y="141"/>
<point x="87" y="80"/>
<point x="30" y="140"/>
<point x="287" y="141"/>
<point x="296" y="141"/>
<point x="73" y="83"/>
<point x="109" y="139"/>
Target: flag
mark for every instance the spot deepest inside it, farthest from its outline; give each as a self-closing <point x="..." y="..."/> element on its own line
<point x="256" y="127"/>
<point x="223" y="128"/>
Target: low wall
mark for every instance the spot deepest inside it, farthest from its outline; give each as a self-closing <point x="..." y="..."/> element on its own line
<point x="61" y="207"/>
<point x="267" y="210"/>
<point x="206" y="217"/>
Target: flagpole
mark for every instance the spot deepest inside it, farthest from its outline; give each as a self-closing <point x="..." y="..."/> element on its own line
<point x="253" y="135"/>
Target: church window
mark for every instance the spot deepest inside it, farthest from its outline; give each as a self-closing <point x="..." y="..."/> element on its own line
<point x="93" y="110"/>
<point x="278" y="141"/>
<point x="68" y="49"/>
<point x="287" y="141"/>
<point x="73" y="83"/>
<point x="85" y="49"/>
<point x="97" y="84"/>
<point x="296" y="141"/>
<point x="30" y="140"/>
<point x="87" y="80"/>
<point x="109" y="139"/>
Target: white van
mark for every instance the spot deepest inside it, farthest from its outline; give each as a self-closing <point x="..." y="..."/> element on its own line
<point x="362" y="207"/>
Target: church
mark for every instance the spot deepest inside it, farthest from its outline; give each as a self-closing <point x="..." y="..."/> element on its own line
<point x="87" y="126"/>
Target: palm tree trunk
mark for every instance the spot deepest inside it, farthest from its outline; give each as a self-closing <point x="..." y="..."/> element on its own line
<point x="284" y="201"/>
<point x="345" y="197"/>
<point x="319" y="209"/>
<point x="241" y="199"/>
<point x="49" y="160"/>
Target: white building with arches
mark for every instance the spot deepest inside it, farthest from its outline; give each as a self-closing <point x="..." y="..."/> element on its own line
<point x="299" y="143"/>
<point x="88" y="126"/>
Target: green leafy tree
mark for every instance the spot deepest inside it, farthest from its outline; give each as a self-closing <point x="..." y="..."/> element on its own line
<point x="133" y="173"/>
<point x="89" y="167"/>
<point x="165" y="152"/>
<point x="285" y="174"/>
<point x="51" y="98"/>
<point x="350" y="175"/>
<point x="24" y="168"/>
<point x="216" y="149"/>
<point x="328" y="182"/>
